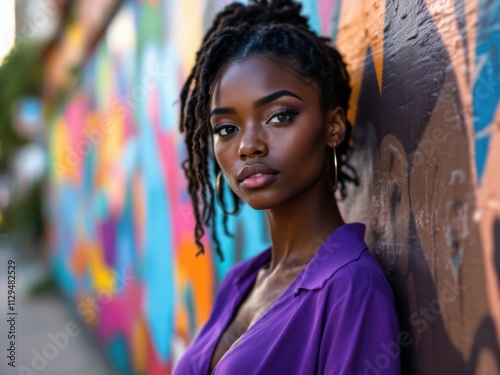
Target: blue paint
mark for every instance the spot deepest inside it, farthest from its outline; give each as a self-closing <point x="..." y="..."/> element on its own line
<point x="89" y="166"/>
<point x="88" y="83"/>
<point x="125" y="250"/>
<point x="310" y="9"/>
<point x="100" y="206"/>
<point x="169" y="90"/>
<point x="255" y="229"/>
<point x="191" y="309"/>
<point x="119" y="354"/>
<point x="158" y="267"/>
<point x="121" y="81"/>
<point x="486" y="90"/>
<point x="65" y="279"/>
<point x="89" y="220"/>
<point x="66" y="219"/>
<point x="337" y="7"/>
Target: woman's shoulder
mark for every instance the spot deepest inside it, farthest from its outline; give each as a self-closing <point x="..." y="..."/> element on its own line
<point x="362" y="272"/>
<point x="344" y="265"/>
<point x="362" y="275"/>
<point x="343" y="257"/>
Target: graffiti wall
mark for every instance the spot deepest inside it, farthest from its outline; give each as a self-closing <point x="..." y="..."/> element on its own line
<point x="427" y="127"/>
<point x="425" y="98"/>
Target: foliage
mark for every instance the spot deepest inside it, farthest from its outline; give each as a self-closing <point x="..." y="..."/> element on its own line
<point x="20" y="76"/>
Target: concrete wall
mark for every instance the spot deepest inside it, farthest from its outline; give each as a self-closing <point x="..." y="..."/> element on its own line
<point x="427" y="138"/>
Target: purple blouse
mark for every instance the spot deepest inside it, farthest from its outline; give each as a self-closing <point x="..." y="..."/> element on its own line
<point x="336" y="317"/>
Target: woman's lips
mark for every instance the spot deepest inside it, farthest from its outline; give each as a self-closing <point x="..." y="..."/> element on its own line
<point x="258" y="181"/>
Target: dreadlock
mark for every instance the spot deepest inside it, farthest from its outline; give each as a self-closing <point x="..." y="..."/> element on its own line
<point x="276" y="30"/>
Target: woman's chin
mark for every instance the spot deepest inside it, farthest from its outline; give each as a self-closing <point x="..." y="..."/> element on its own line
<point x="261" y="204"/>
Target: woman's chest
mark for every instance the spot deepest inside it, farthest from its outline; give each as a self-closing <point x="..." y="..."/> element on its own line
<point x="259" y="301"/>
<point x="285" y="340"/>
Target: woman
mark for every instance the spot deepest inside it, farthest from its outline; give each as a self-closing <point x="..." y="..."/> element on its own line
<point x="268" y="100"/>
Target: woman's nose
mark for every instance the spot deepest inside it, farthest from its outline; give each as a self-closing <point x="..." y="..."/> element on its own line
<point x="254" y="142"/>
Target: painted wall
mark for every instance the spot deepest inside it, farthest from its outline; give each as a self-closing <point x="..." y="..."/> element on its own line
<point x="425" y="108"/>
<point x="427" y="137"/>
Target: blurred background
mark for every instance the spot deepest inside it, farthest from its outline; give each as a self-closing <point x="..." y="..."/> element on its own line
<point x="94" y="209"/>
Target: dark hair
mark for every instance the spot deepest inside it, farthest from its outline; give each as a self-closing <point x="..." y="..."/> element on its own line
<point x="274" y="29"/>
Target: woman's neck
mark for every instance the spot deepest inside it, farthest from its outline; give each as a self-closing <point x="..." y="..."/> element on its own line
<point x="299" y="227"/>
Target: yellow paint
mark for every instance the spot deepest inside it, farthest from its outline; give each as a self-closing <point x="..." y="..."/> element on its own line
<point x="71" y="52"/>
<point x="74" y="35"/>
<point x="189" y="31"/>
<point x="113" y="139"/>
<point x="100" y="274"/>
<point x="109" y="147"/>
<point x="65" y="165"/>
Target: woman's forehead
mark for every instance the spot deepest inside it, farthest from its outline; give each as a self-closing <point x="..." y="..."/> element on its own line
<point x="254" y="76"/>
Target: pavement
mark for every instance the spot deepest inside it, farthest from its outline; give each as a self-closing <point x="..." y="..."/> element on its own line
<point x="50" y="337"/>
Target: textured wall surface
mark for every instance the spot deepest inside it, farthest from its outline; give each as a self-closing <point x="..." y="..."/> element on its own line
<point x="427" y="132"/>
<point x="425" y="98"/>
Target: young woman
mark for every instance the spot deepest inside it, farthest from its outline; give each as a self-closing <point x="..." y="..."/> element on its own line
<point x="267" y="99"/>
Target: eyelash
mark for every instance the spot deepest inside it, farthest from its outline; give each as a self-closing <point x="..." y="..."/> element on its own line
<point x="291" y="113"/>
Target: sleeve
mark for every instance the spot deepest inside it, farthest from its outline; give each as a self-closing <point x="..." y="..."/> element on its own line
<point x="361" y="335"/>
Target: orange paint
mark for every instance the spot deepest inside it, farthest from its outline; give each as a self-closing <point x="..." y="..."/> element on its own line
<point x="200" y="274"/>
<point x="79" y="259"/>
<point x="360" y="27"/>
<point x="139" y="346"/>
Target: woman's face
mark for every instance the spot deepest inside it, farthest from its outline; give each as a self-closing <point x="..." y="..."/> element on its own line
<point x="263" y="114"/>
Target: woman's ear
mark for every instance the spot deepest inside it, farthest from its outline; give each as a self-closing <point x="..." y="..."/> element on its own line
<point x="336" y="126"/>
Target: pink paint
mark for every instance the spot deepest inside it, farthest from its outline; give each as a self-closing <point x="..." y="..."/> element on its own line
<point x="74" y="121"/>
<point x="121" y="311"/>
<point x="325" y="8"/>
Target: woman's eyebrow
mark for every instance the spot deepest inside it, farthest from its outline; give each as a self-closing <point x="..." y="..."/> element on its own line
<point x="223" y="111"/>
<point x="259" y="103"/>
<point x="274" y="96"/>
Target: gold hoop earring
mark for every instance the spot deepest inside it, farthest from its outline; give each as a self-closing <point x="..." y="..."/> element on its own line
<point x="335" y="167"/>
<point x="218" y="189"/>
<point x="336" y="171"/>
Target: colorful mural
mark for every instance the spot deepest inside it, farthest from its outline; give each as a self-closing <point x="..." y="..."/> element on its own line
<point x="425" y="109"/>
<point x="426" y="88"/>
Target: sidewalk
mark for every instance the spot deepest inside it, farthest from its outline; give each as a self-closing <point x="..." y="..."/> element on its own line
<point x="51" y="339"/>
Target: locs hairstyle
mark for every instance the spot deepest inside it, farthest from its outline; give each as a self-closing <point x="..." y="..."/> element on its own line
<point x="276" y="30"/>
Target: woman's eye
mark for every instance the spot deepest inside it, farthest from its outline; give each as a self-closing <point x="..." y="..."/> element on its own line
<point x="221" y="130"/>
<point x="284" y="116"/>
